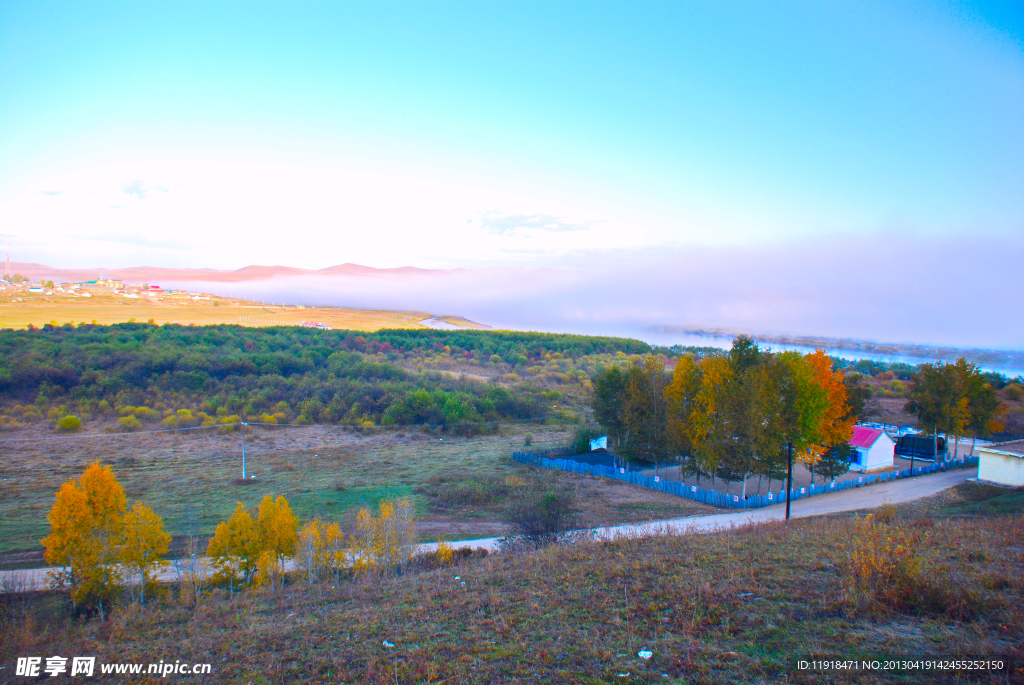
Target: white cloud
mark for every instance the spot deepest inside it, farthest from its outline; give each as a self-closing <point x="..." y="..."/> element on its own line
<point x="504" y="224"/>
<point x="139" y="189"/>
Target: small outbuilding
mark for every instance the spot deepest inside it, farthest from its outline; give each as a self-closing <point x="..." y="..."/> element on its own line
<point x="873" y="449"/>
<point x="1002" y="463"/>
<point x="598" y="457"/>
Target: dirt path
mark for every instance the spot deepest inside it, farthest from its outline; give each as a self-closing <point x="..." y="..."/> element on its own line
<point x="849" y="500"/>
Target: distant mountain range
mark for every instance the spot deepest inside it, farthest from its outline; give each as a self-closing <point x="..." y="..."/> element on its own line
<point x="155" y="274"/>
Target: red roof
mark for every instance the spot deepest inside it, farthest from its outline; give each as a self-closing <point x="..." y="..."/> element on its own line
<point x="865" y="437"/>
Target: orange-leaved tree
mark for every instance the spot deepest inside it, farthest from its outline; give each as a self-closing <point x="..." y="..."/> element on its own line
<point x="835" y="425"/>
<point x="94" y="539"/>
<point x="818" y="413"/>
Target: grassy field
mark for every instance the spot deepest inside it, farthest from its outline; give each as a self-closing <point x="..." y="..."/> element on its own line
<point x="459" y="484"/>
<point x="38" y="309"/>
<point x="738" y="606"/>
<point x="969" y="498"/>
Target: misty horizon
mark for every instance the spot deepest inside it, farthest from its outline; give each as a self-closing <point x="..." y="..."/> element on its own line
<point x="855" y="292"/>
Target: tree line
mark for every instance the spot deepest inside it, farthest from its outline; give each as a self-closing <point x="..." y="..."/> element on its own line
<point x="108" y="552"/>
<point x="956" y="399"/>
<point x="732" y="415"/>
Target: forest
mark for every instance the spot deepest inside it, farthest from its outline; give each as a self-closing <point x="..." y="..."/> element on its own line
<point x="186" y="375"/>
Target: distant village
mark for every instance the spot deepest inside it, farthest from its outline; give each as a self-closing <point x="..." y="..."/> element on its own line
<point x="100" y="286"/>
<point x="18" y="283"/>
<point x="15" y="284"/>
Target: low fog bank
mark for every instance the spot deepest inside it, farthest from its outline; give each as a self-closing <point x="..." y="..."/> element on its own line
<point x="946" y="293"/>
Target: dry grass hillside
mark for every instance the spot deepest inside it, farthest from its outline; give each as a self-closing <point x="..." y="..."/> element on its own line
<point x="739" y="606"/>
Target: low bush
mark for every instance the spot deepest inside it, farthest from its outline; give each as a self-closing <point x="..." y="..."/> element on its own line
<point x="129" y="423"/>
<point x="446" y="555"/>
<point x="457" y="492"/>
<point x="887" y="571"/>
<point x="581" y="440"/>
<point x="69" y="424"/>
<point x="541" y="518"/>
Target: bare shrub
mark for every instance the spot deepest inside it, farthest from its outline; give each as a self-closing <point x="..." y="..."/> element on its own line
<point x="542" y="518"/>
<point x="15" y="587"/>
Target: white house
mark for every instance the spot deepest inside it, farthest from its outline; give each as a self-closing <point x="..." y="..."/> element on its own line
<point x="873" y="447"/>
<point x="1002" y="463"/>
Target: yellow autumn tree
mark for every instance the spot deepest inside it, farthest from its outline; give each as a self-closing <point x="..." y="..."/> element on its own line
<point x="320" y="549"/>
<point x="386" y="541"/>
<point x="86" y="524"/>
<point x="235" y="548"/>
<point x="706" y="422"/>
<point x="247" y="548"/>
<point x="278" y="529"/>
<point x="681" y="395"/>
<point x="444" y="552"/>
<point x="145" y="541"/>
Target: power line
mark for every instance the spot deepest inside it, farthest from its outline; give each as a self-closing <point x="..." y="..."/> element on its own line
<point x="394" y="426"/>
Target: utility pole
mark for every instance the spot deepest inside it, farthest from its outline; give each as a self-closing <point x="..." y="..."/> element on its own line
<point x="244" y="424"/>
<point x="789" y="477"/>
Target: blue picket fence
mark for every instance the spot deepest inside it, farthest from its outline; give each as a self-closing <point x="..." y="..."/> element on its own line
<point x="717" y="499"/>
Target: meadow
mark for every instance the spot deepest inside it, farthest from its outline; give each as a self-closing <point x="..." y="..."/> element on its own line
<point x="37" y="309"/>
<point x="460" y="485"/>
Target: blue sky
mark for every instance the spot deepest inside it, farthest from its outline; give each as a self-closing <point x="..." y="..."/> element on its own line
<point x="462" y="134"/>
<point x="769" y="167"/>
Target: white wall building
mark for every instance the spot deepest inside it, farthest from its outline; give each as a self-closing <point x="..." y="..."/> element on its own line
<point x="874" y="449"/>
<point x="1002" y="463"/>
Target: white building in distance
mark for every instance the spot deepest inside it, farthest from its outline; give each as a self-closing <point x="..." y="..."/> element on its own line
<point x="1002" y="463"/>
<point x="874" y="449"/>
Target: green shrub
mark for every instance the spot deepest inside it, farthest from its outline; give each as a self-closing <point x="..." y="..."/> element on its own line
<point x="69" y="424"/>
<point x="581" y="440"/>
